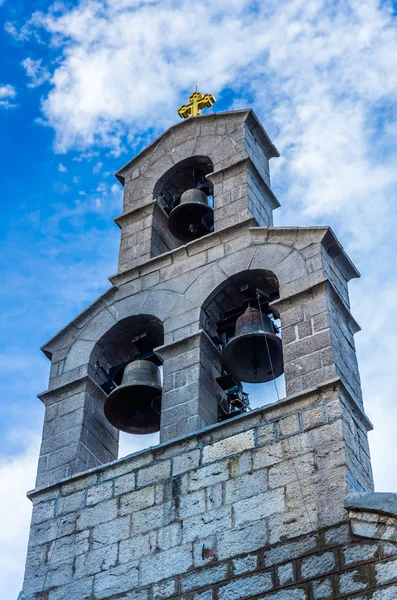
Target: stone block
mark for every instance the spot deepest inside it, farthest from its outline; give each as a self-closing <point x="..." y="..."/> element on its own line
<point x="291" y="550"/>
<point x="288" y="426"/>
<point x="389" y="593"/>
<point x="351" y="582"/>
<point x="386" y="572"/>
<point x="45" y="511"/>
<point x="165" y="564"/>
<point x="292" y="470"/>
<point x="308" y="345"/>
<point x="133" y="549"/>
<point x="208" y="475"/>
<point x="65" y="549"/>
<point x="81" y="589"/>
<point x="203" y="577"/>
<point x="267" y="456"/>
<point x="245" y="587"/>
<point x="164" y="589"/>
<point x="318" y="565"/>
<point x="337" y="536"/>
<point x="80" y="483"/>
<point x="135" y="501"/>
<point x="250" y="538"/>
<point x="245" y="564"/>
<point x="111" y="532"/>
<point x="96" y="561"/>
<point x="118" y="580"/>
<point x="299" y="594"/>
<point x="101" y="513"/>
<point x="99" y="493"/>
<point x="240" y="464"/>
<point x="245" y="486"/>
<point x="313" y="417"/>
<point x="207" y="524"/>
<point x="228" y="446"/>
<point x="191" y="504"/>
<point x="359" y="553"/>
<point x="259" y="507"/>
<point x="143" y="520"/>
<point x="125" y="483"/>
<point x="204" y="551"/>
<point x="169" y="536"/>
<point x="214" y="496"/>
<point x="286" y="574"/>
<point x="153" y="474"/>
<point x="266" y="434"/>
<point x="322" y="589"/>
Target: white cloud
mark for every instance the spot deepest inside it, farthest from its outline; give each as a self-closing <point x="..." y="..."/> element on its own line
<point x="7" y="93"/>
<point x="62" y="168"/>
<point x="37" y="73"/>
<point x="17" y="476"/>
<point x="97" y="167"/>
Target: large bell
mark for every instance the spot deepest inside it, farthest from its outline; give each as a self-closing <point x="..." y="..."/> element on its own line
<point x="134" y="406"/>
<point x="254" y="354"/>
<point x="186" y="220"/>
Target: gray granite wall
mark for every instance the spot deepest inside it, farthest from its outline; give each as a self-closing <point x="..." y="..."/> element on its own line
<point x="250" y="508"/>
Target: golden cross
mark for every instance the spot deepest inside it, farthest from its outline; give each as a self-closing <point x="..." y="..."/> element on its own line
<point x="197" y="103"/>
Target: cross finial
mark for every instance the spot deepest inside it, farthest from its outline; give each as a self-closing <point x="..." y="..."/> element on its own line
<point x="196" y="104"/>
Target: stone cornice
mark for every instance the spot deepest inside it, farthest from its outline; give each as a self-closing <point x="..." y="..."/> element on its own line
<point x="250" y="118"/>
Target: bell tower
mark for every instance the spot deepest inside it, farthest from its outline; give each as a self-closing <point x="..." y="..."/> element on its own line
<point x="274" y="503"/>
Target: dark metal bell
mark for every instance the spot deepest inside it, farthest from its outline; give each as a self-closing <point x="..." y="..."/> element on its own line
<point x="134" y="406"/>
<point x="186" y="220"/>
<point x="254" y="354"/>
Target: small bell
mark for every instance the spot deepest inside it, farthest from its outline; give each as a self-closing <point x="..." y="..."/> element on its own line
<point x="134" y="406"/>
<point x="186" y="220"/>
<point x="254" y="354"/>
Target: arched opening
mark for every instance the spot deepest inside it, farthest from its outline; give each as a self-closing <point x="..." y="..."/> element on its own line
<point x="129" y="372"/>
<point x="184" y="210"/>
<point x="240" y="321"/>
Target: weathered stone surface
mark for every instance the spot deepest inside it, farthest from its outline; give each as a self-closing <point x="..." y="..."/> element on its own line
<point x="378" y="502"/>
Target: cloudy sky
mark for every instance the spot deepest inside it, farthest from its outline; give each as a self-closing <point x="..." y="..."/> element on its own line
<point x="85" y="84"/>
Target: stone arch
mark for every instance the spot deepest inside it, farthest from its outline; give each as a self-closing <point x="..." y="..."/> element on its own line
<point x="286" y="263"/>
<point x="128" y="337"/>
<point x="179" y="177"/>
<point x="157" y="304"/>
<point x="233" y="292"/>
<point x="184" y="175"/>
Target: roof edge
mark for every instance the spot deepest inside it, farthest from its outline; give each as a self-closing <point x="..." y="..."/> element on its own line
<point x="273" y="152"/>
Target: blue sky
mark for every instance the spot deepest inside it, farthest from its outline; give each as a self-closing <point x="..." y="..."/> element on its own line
<point x="85" y="84"/>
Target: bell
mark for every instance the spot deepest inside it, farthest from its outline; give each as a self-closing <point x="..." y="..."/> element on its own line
<point x="134" y="406"/>
<point x="254" y="354"/>
<point x="186" y="220"/>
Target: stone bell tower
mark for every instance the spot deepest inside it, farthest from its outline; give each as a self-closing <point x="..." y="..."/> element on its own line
<point x="274" y="503"/>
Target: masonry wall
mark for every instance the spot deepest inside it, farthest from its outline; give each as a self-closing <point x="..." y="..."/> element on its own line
<point x="251" y="508"/>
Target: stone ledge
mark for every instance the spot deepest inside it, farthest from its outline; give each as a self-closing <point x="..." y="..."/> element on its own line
<point x="227" y="428"/>
<point x="384" y="503"/>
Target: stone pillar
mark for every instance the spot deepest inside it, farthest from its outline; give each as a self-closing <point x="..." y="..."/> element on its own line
<point x="189" y="400"/>
<point x="76" y="434"/>
<point x="318" y="343"/>
<point x="241" y="193"/>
